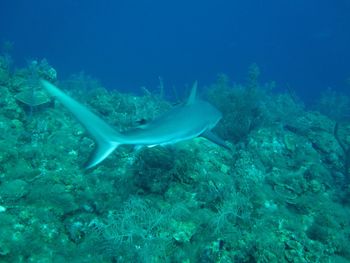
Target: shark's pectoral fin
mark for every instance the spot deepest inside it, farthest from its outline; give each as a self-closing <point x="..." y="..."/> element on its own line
<point x="215" y="139"/>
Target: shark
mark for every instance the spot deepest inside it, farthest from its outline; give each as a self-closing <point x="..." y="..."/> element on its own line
<point x="195" y="118"/>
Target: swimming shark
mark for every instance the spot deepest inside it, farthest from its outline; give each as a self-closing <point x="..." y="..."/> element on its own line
<point x="195" y="118"/>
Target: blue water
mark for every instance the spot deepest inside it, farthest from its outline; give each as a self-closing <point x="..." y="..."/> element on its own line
<point x="280" y="193"/>
<point x="300" y="44"/>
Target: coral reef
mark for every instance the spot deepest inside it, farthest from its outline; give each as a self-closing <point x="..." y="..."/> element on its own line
<point x="281" y="195"/>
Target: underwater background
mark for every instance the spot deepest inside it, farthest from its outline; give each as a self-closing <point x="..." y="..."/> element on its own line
<point x="279" y="71"/>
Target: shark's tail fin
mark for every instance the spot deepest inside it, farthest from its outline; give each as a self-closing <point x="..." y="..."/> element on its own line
<point x="106" y="138"/>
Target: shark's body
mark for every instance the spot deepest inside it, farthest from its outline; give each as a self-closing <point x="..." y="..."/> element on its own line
<point x="193" y="119"/>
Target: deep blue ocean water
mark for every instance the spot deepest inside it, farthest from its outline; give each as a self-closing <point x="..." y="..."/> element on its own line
<point x="277" y="191"/>
<point x="127" y="44"/>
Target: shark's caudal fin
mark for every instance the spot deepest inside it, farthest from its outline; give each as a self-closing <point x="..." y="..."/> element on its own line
<point x="106" y="138"/>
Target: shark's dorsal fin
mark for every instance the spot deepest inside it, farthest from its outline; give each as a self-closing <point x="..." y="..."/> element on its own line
<point x="192" y="96"/>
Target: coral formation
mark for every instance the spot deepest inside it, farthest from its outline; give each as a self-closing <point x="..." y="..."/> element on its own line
<point x="281" y="195"/>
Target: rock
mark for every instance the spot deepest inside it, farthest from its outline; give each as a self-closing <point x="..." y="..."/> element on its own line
<point x="14" y="190"/>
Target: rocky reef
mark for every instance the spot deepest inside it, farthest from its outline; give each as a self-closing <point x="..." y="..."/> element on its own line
<point x="281" y="195"/>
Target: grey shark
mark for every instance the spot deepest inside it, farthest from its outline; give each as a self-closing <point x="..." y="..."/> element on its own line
<point x="190" y="120"/>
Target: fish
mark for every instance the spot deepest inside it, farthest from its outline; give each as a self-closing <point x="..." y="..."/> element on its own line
<point x="195" y="118"/>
